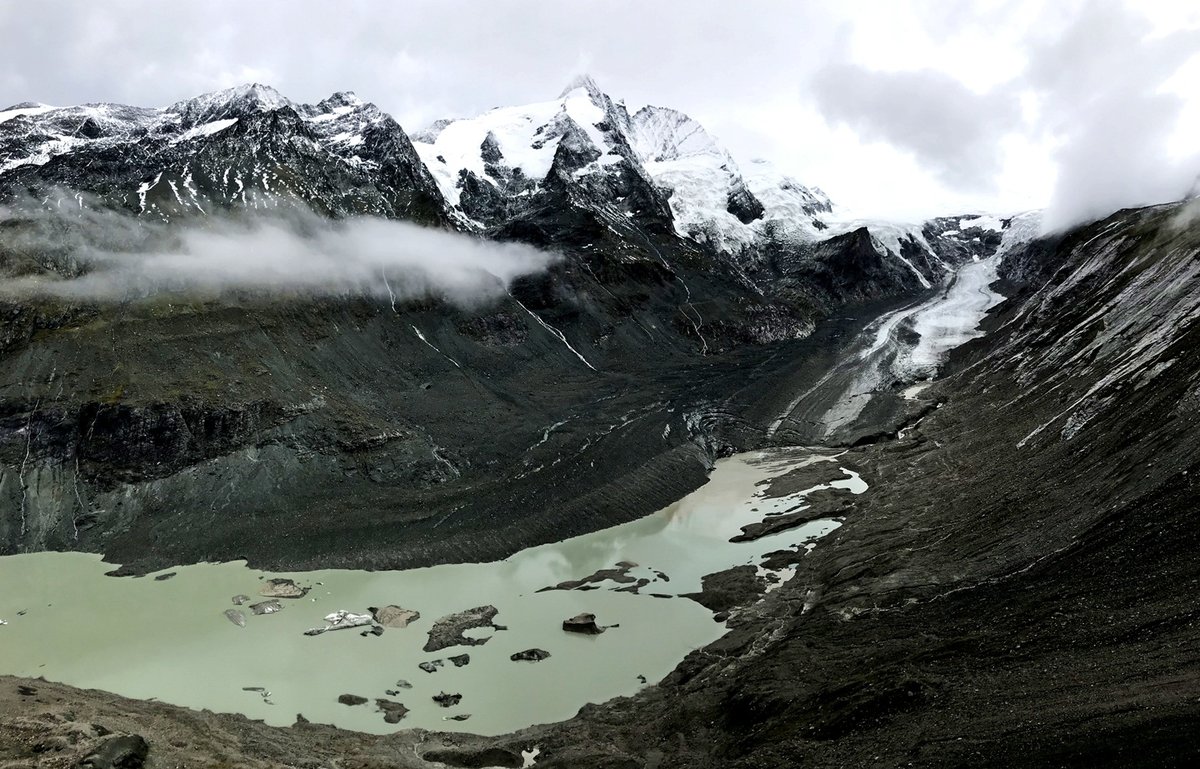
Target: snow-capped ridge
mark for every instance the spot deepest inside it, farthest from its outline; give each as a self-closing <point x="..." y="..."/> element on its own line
<point x="514" y="149"/>
<point x="663" y="134"/>
<point x="238" y="101"/>
<point x="583" y="82"/>
<point x="247" y="146"/>
<point x="24" y="108"/>
<point x="341" y="99"/>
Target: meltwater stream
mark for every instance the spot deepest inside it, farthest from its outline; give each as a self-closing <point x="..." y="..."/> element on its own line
<point x="169" y="639"/>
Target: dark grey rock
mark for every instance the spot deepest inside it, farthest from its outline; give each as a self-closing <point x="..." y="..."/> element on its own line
<point x="125" y="752"/>
<point x="392" y="711"/>
<point x="266" y="607"/>
<point x="724" y="591"/>
<point x="282" y="588"/>
<point x="394" y="616"/>
<point x="447" y="700"/>
<point x="448" y="631"/>
<point x="530" y="655"/>
<point x="582" y="623"/>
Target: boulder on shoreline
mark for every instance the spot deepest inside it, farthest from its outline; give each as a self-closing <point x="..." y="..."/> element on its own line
<point x="723" y="591"/>
<point x="392" y="711"/>
<point x="282" y="588"/>
<point x="126" y="752"/>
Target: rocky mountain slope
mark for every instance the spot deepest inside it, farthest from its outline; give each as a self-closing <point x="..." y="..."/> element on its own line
<point x="294" y="430"/>
<point x="245" y="147"/>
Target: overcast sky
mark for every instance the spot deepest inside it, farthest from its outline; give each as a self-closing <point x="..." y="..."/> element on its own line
<point x="895" y="108"/>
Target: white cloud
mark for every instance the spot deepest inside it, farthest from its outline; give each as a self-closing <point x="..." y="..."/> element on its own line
<point x="112" y="256"/>
<point x="744" y="71"/>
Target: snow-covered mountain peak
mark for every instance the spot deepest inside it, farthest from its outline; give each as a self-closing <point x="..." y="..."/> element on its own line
<point x="341" y="99"/>
<point x="511" y="148"/>
<point x="585" y="83"/>
<point x="228" y="103"/>
<point x="24" y="108"/>
<point x="662" y="134"/>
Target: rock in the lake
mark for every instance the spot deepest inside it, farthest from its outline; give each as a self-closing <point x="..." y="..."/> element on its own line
<point x="236" y="617"/>
<point x="530" y="655"/>
<point x="634" y="588"/>
<point x="126" y="752"/>
<point x="282" y="588"/>
<point x="240" y="599"/>
<point x="341" y="620"/>
<point x="619" y="574"/>
<point x="447" y="700"/>
<point x="460" y="660"/>
<point x="266" y="607"/>
<point x="164" y="577"/>
<point x="582" y="623"/>
<point x="430" y="666"/>
<point x="460" y="717"/>
<point x="392" y="711"/>
<point x="351" y="699"/>
<point x="376" y="630"/>
<point x="402" y="684"/>
<point x="448" y="631"/>
<point x="394" y="616"/>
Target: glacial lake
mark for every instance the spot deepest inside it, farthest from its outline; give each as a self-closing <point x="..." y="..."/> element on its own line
<point x="170" y="639"/>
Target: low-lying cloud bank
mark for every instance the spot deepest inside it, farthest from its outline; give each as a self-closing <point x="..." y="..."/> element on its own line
<point x="88" y="253"/>
<point x="1098" y="89"/>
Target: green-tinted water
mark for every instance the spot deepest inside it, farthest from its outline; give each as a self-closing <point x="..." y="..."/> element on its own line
<point x="170" y="640"/>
